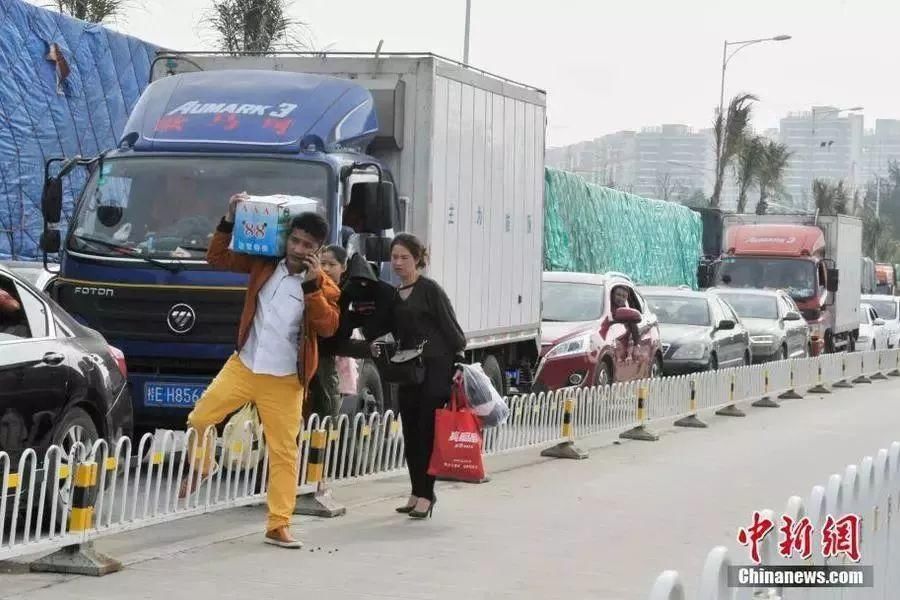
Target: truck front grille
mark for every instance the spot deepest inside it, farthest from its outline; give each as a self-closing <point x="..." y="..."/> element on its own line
<point x="142" y="313"/>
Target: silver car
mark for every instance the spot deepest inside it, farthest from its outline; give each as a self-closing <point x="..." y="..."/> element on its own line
<point x="777" y="329"/>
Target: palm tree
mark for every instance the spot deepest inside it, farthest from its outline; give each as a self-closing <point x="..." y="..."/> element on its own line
<point x="94" y="11"/>
<point x="771" y="172"/>
<point x="831" y="199"/>
<point x="730" y="131"/>
<point x="750" y="161"/>
<point x="257" y="26"/>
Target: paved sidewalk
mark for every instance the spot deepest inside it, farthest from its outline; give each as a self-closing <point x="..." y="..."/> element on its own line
<point x="602" y="528"/>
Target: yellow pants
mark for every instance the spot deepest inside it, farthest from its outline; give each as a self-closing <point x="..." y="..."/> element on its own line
<point x="279" y="401"/>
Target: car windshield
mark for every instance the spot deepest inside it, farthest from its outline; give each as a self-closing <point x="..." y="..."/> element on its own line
<point x="795" y="276"/>
<point x="572" y="302"/>
<point x="679" y="310"/>
<point x="752" y="307"/>
<point x="167" y="207"/>
<point x="886" y="309"/>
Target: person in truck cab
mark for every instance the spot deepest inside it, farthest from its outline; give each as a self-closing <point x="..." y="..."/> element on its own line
<point x="288" y="305"/>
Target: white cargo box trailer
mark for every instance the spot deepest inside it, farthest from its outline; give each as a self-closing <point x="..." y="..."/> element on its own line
<point x="466" y="150"/>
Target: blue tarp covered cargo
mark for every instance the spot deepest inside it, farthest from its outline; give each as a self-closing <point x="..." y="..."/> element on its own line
<point x="66" y="88"/>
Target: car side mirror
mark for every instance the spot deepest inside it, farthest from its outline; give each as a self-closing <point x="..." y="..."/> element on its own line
<point x="879" y="322"/>
<point x="626" y="315"/>
<point x="792" y="316"/>
<point x="832" y="283"/>
<point x="51" y="200"/>
<point x="726" y="325"/>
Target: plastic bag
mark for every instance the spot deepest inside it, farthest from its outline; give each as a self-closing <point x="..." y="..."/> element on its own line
<point x="243" y="449"/>
<point x="456" y="453"/>
<point x="482" y="397"/>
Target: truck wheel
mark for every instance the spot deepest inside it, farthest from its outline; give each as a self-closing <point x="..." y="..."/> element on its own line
<point x="370" y="386"/>
<point x="492" y="369"/>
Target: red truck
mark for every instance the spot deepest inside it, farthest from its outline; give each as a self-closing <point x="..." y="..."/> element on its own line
<point x="815" y="260"/>
<point x="885" y="283"/>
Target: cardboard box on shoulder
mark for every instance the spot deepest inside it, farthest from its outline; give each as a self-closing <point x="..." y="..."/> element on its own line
<point x="261" y="223"/>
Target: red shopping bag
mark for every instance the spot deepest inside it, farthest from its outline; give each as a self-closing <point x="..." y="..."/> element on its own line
<point x="457" y="442"/>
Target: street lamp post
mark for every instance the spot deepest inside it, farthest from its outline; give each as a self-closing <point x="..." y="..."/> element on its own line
<point x="740" y="46"/>
<point x="466" y="42"/>
<point x="814" y="154"/>
<point x="725" y="59"/>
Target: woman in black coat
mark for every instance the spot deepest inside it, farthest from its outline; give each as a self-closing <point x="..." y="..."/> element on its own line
<point x="422" y="313"/>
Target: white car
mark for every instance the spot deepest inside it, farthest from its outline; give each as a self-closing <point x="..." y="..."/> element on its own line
<point x="887" y="308"/>
<point x="872" y="332"/>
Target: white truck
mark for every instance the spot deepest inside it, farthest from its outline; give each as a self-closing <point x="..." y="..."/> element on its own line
<point x="815" y="259"/>
<point x="464" y="150"/>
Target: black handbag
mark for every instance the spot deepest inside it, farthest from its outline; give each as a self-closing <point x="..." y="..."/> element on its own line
<point x="404" y="367"/>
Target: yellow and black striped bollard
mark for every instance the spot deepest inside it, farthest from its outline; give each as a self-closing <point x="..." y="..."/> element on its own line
<point x="731" y="410"/>
<point x="691" y="420"/>
<point x="640" y="432"/>
<point x="766" y="401"/>
<point x="319" y="503"/>
<point x="567" y="448"/>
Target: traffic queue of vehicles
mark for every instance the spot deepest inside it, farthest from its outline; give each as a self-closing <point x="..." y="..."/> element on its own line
<point x="342" y="132"/>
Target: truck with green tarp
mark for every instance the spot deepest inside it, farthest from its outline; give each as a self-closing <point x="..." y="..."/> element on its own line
<point x="593" y="229"/>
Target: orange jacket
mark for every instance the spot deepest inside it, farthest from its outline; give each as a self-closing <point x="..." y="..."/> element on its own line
<point x="320" y="312"/>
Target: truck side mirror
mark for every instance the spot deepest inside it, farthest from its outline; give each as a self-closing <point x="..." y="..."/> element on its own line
<point x="51" y="200"/>
<point x="832" y="283"/>
<point x="51" y="241"/>
<point x="378" y="249"/>
<point x="378" y="201"/>
<point x="704" y="273"/>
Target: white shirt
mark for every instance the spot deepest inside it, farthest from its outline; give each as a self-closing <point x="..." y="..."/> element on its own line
<point x="271" y="348"/>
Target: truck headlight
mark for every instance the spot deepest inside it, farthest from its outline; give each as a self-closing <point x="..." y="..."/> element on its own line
<point x="762" y="339"/>
<point x="579" y="345"/>
<point x="692" y="351"/>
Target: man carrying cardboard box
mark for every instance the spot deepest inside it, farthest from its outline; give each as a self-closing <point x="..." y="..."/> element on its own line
<point x="289" y="303"/>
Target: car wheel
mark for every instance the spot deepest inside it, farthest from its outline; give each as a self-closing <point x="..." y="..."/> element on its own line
<point x="713" y="362"/>
<point x="75" y="426"/>
<point x="604" y="374"/>
<point x="656" y="369"/>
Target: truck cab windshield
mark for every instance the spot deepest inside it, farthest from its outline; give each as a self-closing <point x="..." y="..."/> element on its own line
<point x="797" y="277"/>
<point x="168" y="207"/>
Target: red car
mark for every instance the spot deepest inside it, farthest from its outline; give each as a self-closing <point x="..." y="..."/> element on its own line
<point x="587" y="343"/>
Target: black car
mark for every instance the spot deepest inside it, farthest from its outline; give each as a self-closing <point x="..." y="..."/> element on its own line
<point x="700" y="331"/>
<point x="60" y="382"/>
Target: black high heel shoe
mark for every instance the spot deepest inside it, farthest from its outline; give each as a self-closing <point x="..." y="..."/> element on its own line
<point x="414" y="514"/>
<point x="403" y="510"/>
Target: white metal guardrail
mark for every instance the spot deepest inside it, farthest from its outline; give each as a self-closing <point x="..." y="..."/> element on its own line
<point x="56" y="500"/>
<point x="870" y="490"/>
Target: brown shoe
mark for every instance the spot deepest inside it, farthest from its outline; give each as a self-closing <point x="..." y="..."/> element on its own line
<point x="282" y="537"/>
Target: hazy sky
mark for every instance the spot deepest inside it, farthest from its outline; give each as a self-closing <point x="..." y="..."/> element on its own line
<point x="609" y="65"/>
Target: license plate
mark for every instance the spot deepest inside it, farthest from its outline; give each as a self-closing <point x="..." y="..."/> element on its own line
<point x="172" y="394"/>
